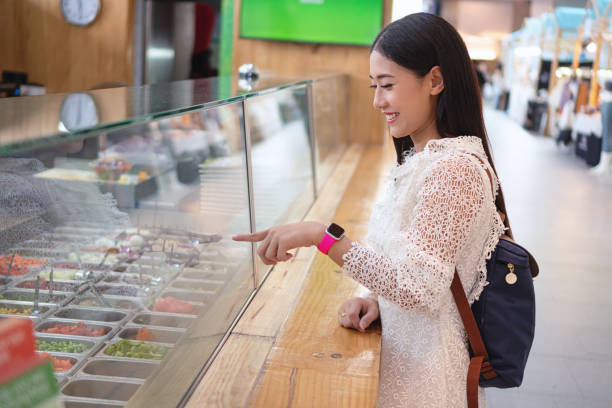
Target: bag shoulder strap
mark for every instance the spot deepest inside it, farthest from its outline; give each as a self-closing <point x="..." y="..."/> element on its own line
<point x="479" y="363"/>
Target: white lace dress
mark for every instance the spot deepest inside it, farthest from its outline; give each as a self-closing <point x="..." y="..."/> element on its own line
<point x="437" y="212"/>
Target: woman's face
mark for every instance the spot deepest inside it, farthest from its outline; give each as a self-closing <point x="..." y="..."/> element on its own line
<point x="404" y="98"/>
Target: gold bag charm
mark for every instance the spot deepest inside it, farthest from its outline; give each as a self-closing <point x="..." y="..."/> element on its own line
<point x="511" y="277"/>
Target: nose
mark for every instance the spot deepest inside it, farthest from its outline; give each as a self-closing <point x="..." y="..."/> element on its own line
<point x="379" y="99"/>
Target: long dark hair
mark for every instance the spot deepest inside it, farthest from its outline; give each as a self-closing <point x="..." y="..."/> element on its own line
<point x="421" y="41"/>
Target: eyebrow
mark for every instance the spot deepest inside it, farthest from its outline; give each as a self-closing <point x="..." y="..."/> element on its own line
<point x="382" y="76"/>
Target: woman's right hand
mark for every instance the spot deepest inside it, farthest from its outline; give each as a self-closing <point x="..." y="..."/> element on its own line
<point x="358" y="313"/>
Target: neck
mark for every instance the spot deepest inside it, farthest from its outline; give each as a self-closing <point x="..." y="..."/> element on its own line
<point x="427" y="132"/>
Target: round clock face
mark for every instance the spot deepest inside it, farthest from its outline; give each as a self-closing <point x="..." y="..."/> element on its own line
<point x="80" y="12"/>
<point x="78" y="111"/>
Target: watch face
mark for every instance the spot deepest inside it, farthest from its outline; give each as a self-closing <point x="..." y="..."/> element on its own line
<point x="335" y="230"/>
<point x="80" y="12"/>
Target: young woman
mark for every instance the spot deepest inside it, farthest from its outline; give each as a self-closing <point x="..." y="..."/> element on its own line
<point x="439" y="212"/>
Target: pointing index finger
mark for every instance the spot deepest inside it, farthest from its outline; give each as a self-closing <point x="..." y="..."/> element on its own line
<point x="254" y="237"/>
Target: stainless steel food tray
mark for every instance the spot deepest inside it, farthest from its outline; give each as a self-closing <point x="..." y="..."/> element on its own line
<point x="92" y="343"/>
<point x="28" y="295"/>
<point x="75" y="402"/>
<point x="100" y="388"/>
<point x="47" y="323"/>
<point x="77" y="360"/>
<point x="44" y="308"/>
<point x="197" y="285"/>
<point x="201" y="297"/>
<point x="116" y="368"/>
<point x="138" y="279"/>
<point x="116" y="302"/>
<point x="102" y="351"/>
<point x="202" y="274"/>
<point x="164" y="335"/>
<point x="163" y="320"/>
<point x="124" y="290"/>
<point x="62" y="286"/>
<point x="94" y="314"/>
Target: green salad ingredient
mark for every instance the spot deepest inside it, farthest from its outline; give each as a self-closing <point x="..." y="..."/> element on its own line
<point x="61" y="346"/>
<point x="136" y="349"/>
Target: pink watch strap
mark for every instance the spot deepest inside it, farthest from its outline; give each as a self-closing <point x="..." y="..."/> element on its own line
<point x="326" y="243"/>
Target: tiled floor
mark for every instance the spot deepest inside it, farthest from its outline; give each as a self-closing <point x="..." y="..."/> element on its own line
<point x="563" y="215"/>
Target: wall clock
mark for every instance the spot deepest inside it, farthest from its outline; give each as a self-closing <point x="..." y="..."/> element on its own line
<point x="80" y="12"/>
<point x="79" y="111"/>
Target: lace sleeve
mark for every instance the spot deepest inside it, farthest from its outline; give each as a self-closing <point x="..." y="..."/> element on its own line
<point x="448" y="204"/>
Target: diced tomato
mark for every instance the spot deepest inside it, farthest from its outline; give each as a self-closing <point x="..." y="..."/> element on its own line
<point x="144" y="334"/>
<point x="78" y="329"/>
<point x="173" y="305"/>
<point x="59" y="363"/>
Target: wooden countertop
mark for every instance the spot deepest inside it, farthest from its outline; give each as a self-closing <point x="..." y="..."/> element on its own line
<point x="288" y="349"/>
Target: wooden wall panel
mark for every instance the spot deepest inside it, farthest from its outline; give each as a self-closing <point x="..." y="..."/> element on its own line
<point x="35" y="37"/>
<point x="366" y="124"/>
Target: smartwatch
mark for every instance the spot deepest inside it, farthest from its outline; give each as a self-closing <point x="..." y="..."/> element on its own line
<point x="333" y="233"/>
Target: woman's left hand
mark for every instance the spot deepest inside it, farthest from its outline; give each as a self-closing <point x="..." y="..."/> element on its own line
<point x="280" y="239"/>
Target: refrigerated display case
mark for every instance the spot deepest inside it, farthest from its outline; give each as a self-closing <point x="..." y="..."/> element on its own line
<point x="117" y="208"/>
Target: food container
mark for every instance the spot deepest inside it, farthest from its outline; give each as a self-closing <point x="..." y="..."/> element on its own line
<point x="162" y="271"/>
<point x="123" y="290"/>
<point x="70" y="402"/>
<point x="75" y="360"/>
<point x="211" y="286"/>
<point x="21" y="263"/>
<point x="189" y="296"/>
<point x="218" y="256"/>
<point x="84" y="266"/>
<point x="116" y="302"/>
<point x="15" y="308"/>
<point x="94" y="258"/>
<point x="168" y="336"/>
<point x="71" y="325"/>
<point x="202" y="274"/>
<point x="163" y="320"/>
<point x="40" y="252"/>
<point x="26" y="295"/>
<point x="135" y="350"/>
<point x="217" y="267"/>
<point x="58" y="285"/>
<point x="152" y="258"/>
<point x="100" y="388"/>
<point x="91" y="314"/>
<point x="166" y="305"/>
<point x="119" y="367"/>
<point x="134" y="279"/>
<point x="65" y="274"/>
<point x="80" y="346"/>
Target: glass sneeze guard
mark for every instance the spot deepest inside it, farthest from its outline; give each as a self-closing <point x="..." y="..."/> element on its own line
<point x="41" y="121"/>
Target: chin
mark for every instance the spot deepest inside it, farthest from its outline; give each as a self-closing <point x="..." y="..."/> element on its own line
<point x="396" y="134"/>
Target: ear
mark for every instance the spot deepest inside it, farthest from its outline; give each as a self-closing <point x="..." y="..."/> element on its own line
<point x="437" y="81"/>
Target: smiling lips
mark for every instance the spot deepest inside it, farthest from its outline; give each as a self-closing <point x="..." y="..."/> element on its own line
<point x="391" y="116"/>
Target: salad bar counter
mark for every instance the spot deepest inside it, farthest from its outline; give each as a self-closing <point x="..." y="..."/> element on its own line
<point x="115" y="235"/>
<point x="107" y="311"/>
